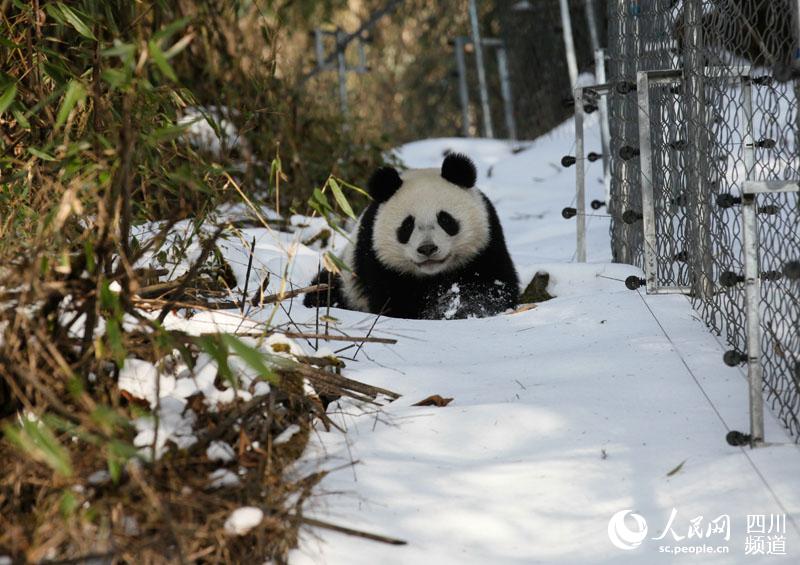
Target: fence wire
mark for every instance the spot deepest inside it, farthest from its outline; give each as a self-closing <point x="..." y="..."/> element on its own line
<point x="697" y="126"/>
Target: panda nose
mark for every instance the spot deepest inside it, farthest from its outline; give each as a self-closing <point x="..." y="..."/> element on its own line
<point x="427" y="249"/>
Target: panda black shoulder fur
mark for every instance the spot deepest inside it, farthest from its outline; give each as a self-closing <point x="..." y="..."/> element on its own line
<point x="430" y="246"/>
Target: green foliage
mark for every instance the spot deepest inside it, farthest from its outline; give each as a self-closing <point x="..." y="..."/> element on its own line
<point x="36" y="439"/>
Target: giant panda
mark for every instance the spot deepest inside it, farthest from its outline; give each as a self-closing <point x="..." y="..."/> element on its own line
<point x="429" y="246"/>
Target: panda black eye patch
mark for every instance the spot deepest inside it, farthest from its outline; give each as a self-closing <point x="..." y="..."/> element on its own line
<point x="449" y="223"/>
<point x="405" y="229"/>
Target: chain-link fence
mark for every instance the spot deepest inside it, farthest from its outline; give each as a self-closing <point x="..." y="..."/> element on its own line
<point x="719" y="114"/>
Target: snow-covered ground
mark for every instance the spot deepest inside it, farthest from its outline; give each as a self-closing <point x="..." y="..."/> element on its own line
<point x="595" y="403"/>
<point x="599" y="401"/>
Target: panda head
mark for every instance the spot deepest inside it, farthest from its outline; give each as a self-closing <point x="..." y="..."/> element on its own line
<point x="429" y="221"/>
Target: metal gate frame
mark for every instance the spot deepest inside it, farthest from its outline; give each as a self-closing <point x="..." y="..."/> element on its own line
<point x="643" y="81"/>
<point x="601" y="91"/>
<point x="752" y="279"/>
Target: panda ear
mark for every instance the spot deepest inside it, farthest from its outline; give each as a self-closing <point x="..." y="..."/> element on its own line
<point x="384" y="183"/>
<point x="460" y="170"/>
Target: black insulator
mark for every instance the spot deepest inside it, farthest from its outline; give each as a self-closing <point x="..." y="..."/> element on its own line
<point x="771" y="276"/>
<point x="679" y="200"/>
<point x="729" y="279"/>
<point x="568" y="213"/>
<point x="597" y="204"/>
<point x="590" y="95"/>
<point x="728" y="200"/>
<point x="568" y="102"/>
<point x="769" y="210"/>
<point x="626" y="152"/>
<point x="633" y="282"/>
<point x="681" y="256"/>
<point x="625" y="87"/>
<point x="733" y="358"/>
<point x="766" y="143"/>
<point x="590" y="108"/>
<point x="792" y="270"/>
<point x="631" y="216"/>
<point x="678" y="145"/>
<point x="592" y="156"/>
<point x="738" y="439"/>
<point x="568" y="161"/>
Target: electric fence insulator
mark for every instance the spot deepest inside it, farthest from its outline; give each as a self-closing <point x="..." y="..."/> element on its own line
<point x="728" y="200"/>
<point x="626" y="87"/>
<point x="631" y="216"/>
<point x="633" y="282"/>
<point x="597" y="204"/>
<point x="568" y="213"/>
<point x="738" y="439"/>
<point x="626" y="152"/>
<point x="592" y="156"/>
<point x="730" y="279"/>
<point x="568" y="161"/>
<point x="733" y="358"/>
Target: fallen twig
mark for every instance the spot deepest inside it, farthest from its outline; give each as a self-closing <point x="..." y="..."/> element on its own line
<point x="350" y="531"/>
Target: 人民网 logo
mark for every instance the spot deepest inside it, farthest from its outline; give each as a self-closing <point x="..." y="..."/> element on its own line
<point x="621" y="535"/>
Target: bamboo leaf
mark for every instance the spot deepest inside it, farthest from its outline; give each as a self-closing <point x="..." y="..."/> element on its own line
<point x="676" y="469"/>
<point x="353" y="187"/>
<point x="340" y="198"/>
<point x="161" y="61"/>
<point x="35" y="438"/>
<point x="170" y="29"/>
<point x="68" y="504"/>
<point x="7" y="97"/>
<point x="40" y="154"/>
<point x="178" y="46"/>
<point x="76" y="22"/>
<point x="21" y="119"/>
<point x="333" y="263"/>
<point x="5" y="42"/>
<point x="75" y="94"/>
<point x="253" y="357"/>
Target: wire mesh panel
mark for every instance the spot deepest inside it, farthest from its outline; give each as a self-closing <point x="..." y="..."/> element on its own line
<point x="704" y="143"/>
<point x="663" y="143"/>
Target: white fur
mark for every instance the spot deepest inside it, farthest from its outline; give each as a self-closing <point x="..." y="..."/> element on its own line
<point x="355" y="299"/>
<point x="423" y="194"/>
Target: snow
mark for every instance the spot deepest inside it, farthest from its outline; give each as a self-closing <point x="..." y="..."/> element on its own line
<point x="220" y="451"/>
<point x="286" y="434"/>
<point x="242" y="520"/>
<point x="223" y="478"/>
<point x="563" y="415"/>
<point x="597" y="402"/>
<point x="174" y="424"/>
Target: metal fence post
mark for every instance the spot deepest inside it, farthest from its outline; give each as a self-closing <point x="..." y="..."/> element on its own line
<point x="752" y="288"/>
<point x="580" y="178"/>
<point x="699" y="210"/>
<point x="342" y="70"/>
<point x="646" y="170"/>
<point x="605" y="132"/>
<point x="591" y="21"/>
<point x="484" y="93"/>
<point x="569" y="43"/>
<point x="463" y="92"/>
<point x="505" y="92"/>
